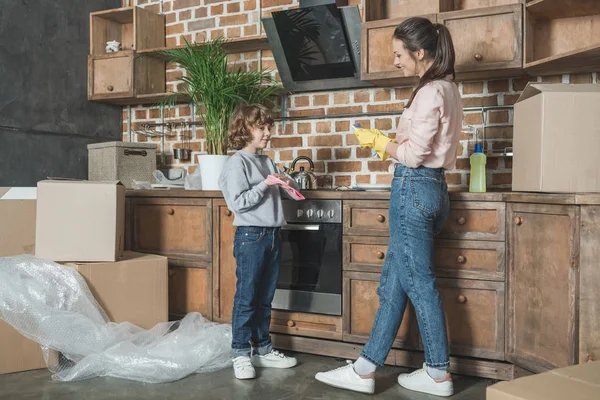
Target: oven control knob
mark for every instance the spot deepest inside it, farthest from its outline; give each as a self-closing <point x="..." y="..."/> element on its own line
<point x="310" y="213"/>
<point x="320" y="214"/>
<point x="299" y="213"/>
<point x="330" y="213"/>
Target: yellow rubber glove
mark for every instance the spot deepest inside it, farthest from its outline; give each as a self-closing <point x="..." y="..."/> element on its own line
<point x="373" y="138"/>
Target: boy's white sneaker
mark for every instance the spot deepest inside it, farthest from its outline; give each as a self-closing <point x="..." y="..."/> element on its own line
<point x="274" y="359"/>
<point x="346" y="378"/>
<point x="420" y="381"/>
<point x="242" y="368"/>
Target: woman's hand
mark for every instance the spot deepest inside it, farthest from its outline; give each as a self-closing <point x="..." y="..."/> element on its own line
<point x="373" y="138"/>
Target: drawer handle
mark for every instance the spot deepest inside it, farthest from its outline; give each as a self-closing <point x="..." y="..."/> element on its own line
<point x="170" y="211"/>
<point x="380" y="255"/>
<point x="228" y="212"/>
<point x="461" y="259"/>
<point x="478" y="57"/>
<point x="461" y="299"/>
<point x="110" y="88"/>
<point x="518" y="220"/>
<point x="380" y="218"/>
<point x="461" y="221"/>
<point x="291" y="323"/>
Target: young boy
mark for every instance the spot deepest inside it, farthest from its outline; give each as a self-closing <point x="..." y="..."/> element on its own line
<point x="258" y="211"/>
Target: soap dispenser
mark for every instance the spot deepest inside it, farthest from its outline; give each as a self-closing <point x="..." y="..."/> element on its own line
<point x="478" y="160"/>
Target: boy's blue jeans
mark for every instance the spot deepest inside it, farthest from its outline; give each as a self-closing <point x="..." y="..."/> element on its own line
<point x="419" y="205"/>
<point x="257" y="253"/>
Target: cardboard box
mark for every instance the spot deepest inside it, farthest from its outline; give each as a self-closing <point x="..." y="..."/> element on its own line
<point x="17" y="221"/>
<point x="17" y="352"/>
<point x="556" y="138"/>
<point x="134" y="289"/>
<point x="80" y="220"/>
<point x="581" y="382"/>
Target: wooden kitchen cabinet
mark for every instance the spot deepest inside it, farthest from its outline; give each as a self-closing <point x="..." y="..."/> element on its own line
<point x="475" y="221"/>
<point x="224" y="278"/>
<point x="543" y="276"/>
<point x="366" y="218"/>
<point x="190" y="290"/>
<point x="304" y="324"/>
<point x="470" y="259"/>
<point x="179" y="228"/>
<point x="364" y="253"/>
<point x="475" y="317"/>
<point x="360" y="303"/>
<point x="488" y="41"/>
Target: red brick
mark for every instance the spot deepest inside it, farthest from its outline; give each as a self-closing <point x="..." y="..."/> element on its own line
<point x="301" y="101"/>
<point x="351" y="140"/>
<point x="286" y="155"/>
<point x="216" y="33"/>
<point x="472" y="87"/>
<point x="184" y="111"/>
<point x="383" y="124"/>
<point x="233" y="7"/>
<point x="508" y="163"/>
<point x="386" y="107"/>
<point x="343" y="153"/>
<point x="174" y="29"/>
<point x="361" y="179"/>
<point x="383" y="95"/>
<point x="306" y="113"/>
<point x="344" y="110"/>
<point x="342" y="126"/>
<point x="498" y="117"/>
<point x="344" y="166"/>
<point x="249" y="5"/>
<point x="324" y="154"/>
<point x="185" y="15"/>
<point x="179" y="4"/>
<point x="363" y="152"/>
<point x="454" y="178"/>
<point x="321" y="100"/>
<point x="480" y="101"/>
<point x="251" y="30"/>
<point x="580" y="78"/>
<point x="473" y="119"/>
<point x="324" y="181"/>
<point x="510" y="99"/>
<point x="201" y="13"/>
<point x="323" y="127"/>
<point x="552" y="79"/>
<point x="378" y="166"/>
<point x="154" y="113"/>
<point x="362" y="96"/>
<point x="240" y="19"/>
<point x="217" y="10"/>
<point x="498" y="86"/>
<point x="280" y="142"/>
<point x="343" y="180"/>
<point x="141" y="114"/>
<point x="501" y="178"/>
<point x="384" y="178"/>
<point x="171" y="42"/>
<point x="275" y="3"/>
<point x="325" y="140"/>
<point x="404" y="93"/>
<point x="174" y="75"/>
<point x="304" y="128"/>
<point x="236" y="32"/>
<point x="518" y="84"/>
<point x="201" y="24"/>
<point x="463" y="164"/>
<point x="341" y="98"/>
<point x="170" y="18"/>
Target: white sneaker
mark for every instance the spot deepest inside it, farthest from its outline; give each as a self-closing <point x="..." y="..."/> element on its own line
<point x="346" y="378"/>
<point x="242" y="368"/>
<point x="420" y="381"/>
<point x="274" y="359"/>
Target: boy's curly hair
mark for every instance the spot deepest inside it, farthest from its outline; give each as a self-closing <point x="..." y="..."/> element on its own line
<point x="244" y="118"/>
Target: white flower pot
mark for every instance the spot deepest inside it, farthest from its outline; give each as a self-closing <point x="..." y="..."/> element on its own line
<point x="210" y="170"/>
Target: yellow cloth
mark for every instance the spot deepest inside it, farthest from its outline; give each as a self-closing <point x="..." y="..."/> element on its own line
<point x="373" y="138"/>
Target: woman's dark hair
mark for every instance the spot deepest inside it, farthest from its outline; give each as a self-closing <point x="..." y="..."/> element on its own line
<point x="419" y="33"/>
<point x="244" y="118"/>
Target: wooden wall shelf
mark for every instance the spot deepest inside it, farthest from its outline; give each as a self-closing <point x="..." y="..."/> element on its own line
<point x="237" y="45"/>
<point x="550" y="9"/>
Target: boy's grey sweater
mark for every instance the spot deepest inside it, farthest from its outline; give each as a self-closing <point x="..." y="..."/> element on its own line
<point x="253" y="202"/>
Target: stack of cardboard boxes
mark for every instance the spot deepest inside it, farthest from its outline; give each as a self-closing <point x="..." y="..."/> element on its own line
<point x="80" y="224"/>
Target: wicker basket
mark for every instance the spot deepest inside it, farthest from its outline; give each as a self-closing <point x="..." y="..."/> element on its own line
<point x="121" y="161"/>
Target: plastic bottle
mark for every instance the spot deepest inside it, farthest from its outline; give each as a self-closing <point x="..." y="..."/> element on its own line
<point x="478" y="161"/>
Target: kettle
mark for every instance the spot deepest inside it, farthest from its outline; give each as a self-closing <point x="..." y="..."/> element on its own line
<point x="305" y="180"/>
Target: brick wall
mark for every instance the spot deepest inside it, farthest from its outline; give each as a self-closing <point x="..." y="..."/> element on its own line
<point x="338" y="159"/>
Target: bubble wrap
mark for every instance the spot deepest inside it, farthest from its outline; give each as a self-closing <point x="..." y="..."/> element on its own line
<point x="52" y="305"/>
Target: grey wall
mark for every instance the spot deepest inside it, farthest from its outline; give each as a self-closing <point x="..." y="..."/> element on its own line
<point x="46" y="121"/>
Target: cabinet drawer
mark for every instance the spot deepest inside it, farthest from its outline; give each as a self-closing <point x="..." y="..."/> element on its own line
<point x="313" y="325"/>
<point x="475" y="317"/>
<point x="366" y="218"/>
<point x="190" y="290"/>
<point x="497" y="42"/>
<point x="470" y="259"/>
<point x="111" y="75"/>
<point x="364" y="253"/>
<point x="475" y="220"/>
<point x="177" y="228"/>
<point x="361" y="302"/>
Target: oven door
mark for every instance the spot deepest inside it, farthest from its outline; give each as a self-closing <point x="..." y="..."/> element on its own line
<point x="310" y="276"/>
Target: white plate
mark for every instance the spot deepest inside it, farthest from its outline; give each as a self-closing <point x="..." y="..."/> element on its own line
<point x="375" y="187"/>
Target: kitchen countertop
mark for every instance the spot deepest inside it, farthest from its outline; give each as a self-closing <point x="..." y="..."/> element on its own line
<point x="500" y="196"/>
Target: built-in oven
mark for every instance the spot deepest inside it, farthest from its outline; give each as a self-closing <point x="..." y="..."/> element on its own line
<point x="310" y="276"/>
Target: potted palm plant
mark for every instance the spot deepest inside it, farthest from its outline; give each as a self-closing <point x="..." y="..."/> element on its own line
<point x="216" y="87"/>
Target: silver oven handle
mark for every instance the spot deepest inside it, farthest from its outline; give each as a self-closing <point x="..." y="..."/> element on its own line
<point x="298" y="227"/>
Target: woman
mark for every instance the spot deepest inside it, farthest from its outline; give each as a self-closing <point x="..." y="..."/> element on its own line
<point x="425" y="145"/>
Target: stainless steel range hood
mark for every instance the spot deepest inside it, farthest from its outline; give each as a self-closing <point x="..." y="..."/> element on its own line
<point x="317" y="46"/>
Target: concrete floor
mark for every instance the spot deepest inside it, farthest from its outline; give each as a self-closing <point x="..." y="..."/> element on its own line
<point x="295" y="383"/>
